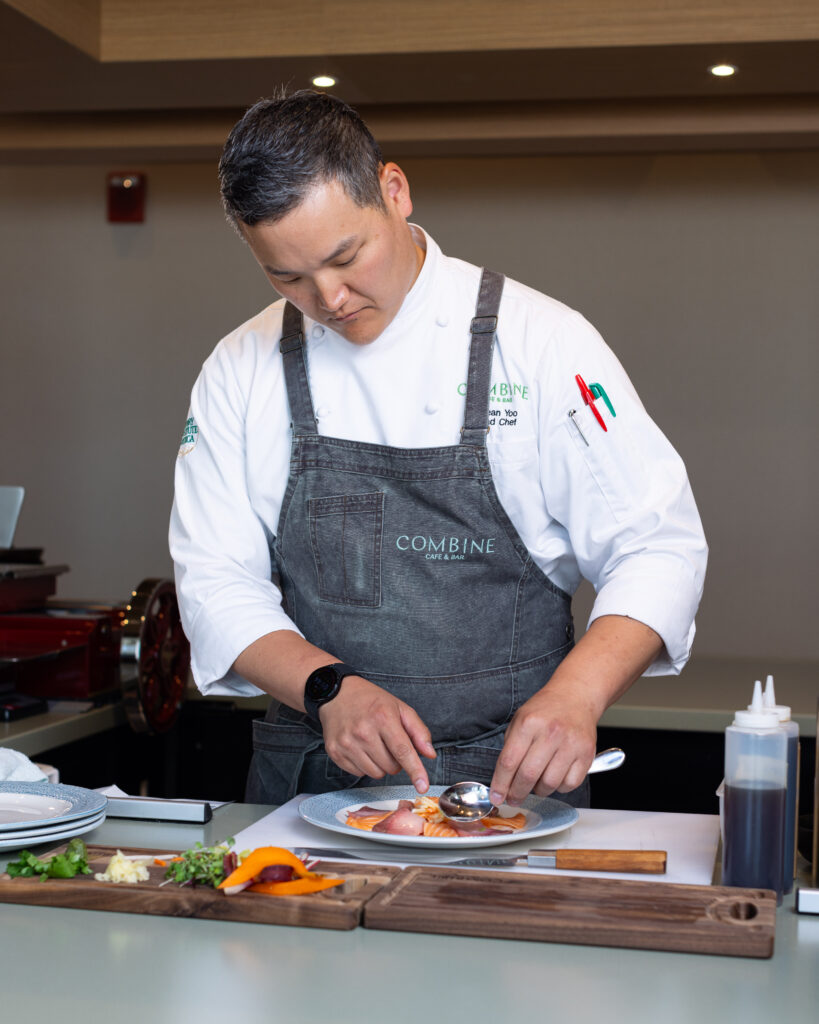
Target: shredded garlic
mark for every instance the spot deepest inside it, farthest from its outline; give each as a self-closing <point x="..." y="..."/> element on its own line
<point x="123" y="869"/>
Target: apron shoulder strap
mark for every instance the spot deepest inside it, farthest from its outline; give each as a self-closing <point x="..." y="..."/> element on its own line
<point x="478" y="382"/>
<point x="294" y="361"/>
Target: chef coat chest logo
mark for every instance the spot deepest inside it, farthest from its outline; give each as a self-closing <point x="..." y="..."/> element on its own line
<point x="190" y="435"/>
<point x="503" y="391"/>
<point x="445" y="547"/>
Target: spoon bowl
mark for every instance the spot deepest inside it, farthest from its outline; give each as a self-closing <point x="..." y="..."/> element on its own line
<point x="469" y="801"/>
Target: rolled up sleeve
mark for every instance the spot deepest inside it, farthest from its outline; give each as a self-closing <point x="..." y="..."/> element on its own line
<point x="624" y="498"/>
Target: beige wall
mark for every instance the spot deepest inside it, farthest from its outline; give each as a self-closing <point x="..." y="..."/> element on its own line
<point x="700" y="270"/>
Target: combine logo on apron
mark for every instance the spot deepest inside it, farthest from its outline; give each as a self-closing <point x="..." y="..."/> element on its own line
<point x="190" y="435"/>
<point x="446" y="549"/>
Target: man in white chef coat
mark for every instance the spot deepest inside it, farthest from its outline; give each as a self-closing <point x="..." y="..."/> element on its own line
<point x="391" y="483"/>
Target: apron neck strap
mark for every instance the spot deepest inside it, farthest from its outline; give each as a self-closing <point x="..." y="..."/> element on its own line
<point x="291" y="347"/>
<point x="478" y="382"/>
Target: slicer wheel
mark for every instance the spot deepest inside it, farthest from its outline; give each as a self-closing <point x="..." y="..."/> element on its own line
<point x="154" y="657"/>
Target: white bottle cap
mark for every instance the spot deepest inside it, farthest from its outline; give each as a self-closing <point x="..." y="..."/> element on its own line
<point x="769" y="702"/>
<point x="757" y="716"/>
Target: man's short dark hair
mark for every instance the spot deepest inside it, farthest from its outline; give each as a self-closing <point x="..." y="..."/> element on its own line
<point x="286" y="145"/>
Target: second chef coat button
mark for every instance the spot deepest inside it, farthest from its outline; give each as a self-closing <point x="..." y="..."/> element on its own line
<point x="322" y="411"/>
<point x="318" y="331"/>
<point x="442" y="319"/>
<point x="431" y="407"/>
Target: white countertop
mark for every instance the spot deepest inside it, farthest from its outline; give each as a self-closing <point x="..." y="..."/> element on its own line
<point x="71" y="964"/>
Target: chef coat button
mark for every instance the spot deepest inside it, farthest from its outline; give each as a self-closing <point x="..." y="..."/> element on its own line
<point x="442" y="320"/>
<point x="431" y="407"/>
<point x="322" y="411"/>
<point x="318" y="331"/>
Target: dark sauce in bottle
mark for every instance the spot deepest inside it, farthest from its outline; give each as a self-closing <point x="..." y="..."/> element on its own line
<point x="754" y="837"/>
<point x="789" y="857"/>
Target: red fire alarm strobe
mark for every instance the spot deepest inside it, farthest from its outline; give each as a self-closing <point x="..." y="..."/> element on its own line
<point x="126" y="197"/>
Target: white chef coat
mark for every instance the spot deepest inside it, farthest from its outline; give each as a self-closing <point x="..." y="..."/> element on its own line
<point x="617" y="510"/>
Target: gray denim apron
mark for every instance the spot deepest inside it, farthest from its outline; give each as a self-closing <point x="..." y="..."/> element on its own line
<point x="403" y="563"/>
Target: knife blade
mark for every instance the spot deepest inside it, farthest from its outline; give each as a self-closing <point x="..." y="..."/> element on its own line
<point x="629" y="861"/>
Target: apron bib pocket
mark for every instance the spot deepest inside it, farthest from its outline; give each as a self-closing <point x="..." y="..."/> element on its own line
<point x="345" y="537"/>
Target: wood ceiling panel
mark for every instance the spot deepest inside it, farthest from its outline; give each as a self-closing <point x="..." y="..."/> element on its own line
<point x="202" y="29"/>
<point x="187" y="30"/>
<point x="75" y="21"/>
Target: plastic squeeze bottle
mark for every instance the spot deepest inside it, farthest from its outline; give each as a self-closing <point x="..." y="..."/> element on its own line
<point x="755" y="781"/>
<point x="791" y="730"/>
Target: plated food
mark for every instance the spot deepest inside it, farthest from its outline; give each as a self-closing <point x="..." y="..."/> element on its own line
<point x="423" y="817"/>
<point x="346" y="810"/>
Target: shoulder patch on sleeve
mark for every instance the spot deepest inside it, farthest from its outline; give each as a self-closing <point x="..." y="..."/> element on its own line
<point x="190" y="435"/>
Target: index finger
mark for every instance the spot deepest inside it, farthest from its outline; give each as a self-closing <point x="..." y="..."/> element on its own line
<point x="506" y="767"/>
<point x="403" y="741"/>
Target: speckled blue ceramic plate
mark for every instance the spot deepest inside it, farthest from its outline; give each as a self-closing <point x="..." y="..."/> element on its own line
<point x="329" y="810"/>
<point x="28" y="805"/>
<point x="25" y="840"/>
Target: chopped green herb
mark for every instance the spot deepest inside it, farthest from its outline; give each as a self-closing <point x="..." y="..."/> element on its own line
<point x="73" y="861"/>
<point x="203" y="865"/>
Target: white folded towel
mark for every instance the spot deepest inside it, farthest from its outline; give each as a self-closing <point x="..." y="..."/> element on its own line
<point x="16" y="767"/>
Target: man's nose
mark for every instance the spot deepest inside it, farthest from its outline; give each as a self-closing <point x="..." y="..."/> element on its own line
<point x="332" y="295"/>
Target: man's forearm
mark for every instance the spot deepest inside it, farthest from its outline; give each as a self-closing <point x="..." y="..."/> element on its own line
<point x="279" y="663"/>
<point x="609" y="657"/>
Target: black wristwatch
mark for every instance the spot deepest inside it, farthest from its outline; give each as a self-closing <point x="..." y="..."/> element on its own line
<point x="322" y="685"/>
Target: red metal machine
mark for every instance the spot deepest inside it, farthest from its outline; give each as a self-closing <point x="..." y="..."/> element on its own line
<point x="76" y="650"/>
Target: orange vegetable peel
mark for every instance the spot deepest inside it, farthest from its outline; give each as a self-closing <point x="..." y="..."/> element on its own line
<point x="298" y="886"/>
<point x="268" y="856"/>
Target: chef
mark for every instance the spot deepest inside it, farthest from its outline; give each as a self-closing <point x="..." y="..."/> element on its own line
<point x="391" y="482"/>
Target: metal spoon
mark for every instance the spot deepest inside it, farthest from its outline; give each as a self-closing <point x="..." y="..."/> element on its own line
<point x="469" y="801"/>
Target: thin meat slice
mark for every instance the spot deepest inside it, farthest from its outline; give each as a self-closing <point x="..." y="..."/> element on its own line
<point x="401" y="823"/>
<point x="367" y="812"/>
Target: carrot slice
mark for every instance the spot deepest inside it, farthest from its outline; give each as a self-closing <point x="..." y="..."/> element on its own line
<point x="440" y="830"/>
<point x="261" y="858"/>
<point x="513" y="822"/>
<point x="299" y="886"/>
<point x="366" y="824"/>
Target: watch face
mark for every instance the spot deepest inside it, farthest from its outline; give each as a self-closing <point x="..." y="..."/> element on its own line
<point x="322" y="684"/>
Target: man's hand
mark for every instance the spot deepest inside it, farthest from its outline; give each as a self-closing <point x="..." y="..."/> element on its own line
<point x="549" y="746"/>
<point x="367" y="731"/>
<point x="551" y="740"/>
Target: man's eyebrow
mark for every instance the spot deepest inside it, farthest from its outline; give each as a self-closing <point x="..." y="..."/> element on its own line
<point x="342" y="246"/>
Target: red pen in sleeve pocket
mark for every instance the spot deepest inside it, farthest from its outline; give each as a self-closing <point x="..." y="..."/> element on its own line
<point x="588" y="398"/>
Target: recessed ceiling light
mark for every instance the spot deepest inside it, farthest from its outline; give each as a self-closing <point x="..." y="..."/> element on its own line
<point x="723" y="70"/>
<point x="324" y="81"/>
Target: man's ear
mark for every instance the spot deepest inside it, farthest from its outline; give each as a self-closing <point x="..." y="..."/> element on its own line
<point x="395" y="189"/>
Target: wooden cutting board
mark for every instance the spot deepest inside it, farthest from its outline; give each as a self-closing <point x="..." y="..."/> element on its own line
<point x="338" y="908"/>
<point x="585" y="911"/>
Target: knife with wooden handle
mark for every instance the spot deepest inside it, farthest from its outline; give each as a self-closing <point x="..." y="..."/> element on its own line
<point x="647" y="862"/>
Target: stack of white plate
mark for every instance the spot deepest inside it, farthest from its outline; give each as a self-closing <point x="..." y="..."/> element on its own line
<point x="45" y="812"/>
